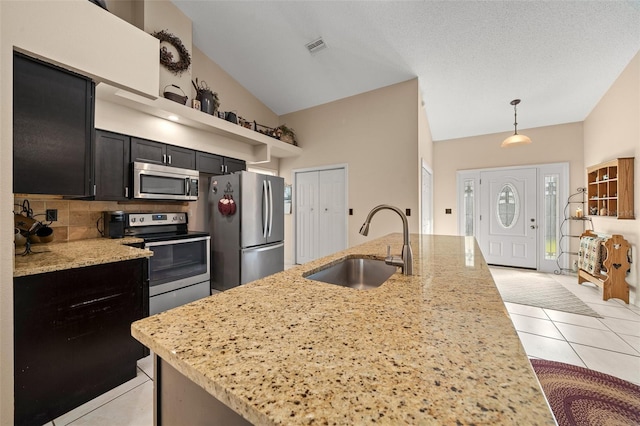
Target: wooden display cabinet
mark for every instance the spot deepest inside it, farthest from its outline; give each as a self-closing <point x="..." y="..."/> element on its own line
<point x="610" y="189"/>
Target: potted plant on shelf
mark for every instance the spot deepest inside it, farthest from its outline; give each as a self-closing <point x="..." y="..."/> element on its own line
<point x="286" y="134"/>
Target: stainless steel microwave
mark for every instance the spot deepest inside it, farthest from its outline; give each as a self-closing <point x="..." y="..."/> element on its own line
<point x="158" y="182"/>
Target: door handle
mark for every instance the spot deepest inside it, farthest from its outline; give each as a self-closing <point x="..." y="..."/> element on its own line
<point x="270" y="207"/>
<point x="169" y="158"/>
<point x="533" y="227"/>
<point x="265" y="215"/>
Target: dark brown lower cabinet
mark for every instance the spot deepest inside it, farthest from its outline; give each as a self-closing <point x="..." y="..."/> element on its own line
<point x="72" y="336"/>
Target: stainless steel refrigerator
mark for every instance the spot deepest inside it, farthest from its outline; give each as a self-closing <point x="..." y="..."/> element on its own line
<point x="246" y="216"/>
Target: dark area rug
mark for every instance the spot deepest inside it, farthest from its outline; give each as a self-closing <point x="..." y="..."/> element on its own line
<point x="583" y="397"/>
<point x="538" y="289"/>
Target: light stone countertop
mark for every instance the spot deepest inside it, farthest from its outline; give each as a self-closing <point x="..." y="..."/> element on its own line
<point x="437" y="347"/>
<point x="76" y="254"/>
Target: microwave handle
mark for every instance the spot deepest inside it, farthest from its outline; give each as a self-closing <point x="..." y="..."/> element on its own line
<point x="187" y="186"/>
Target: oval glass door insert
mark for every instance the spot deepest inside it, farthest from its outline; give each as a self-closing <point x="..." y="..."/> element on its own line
<point x="508" y="207"/>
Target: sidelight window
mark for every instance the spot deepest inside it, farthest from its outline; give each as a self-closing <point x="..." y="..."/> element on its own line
<point x="551" y="217"/>
<point x="468" y="207"/>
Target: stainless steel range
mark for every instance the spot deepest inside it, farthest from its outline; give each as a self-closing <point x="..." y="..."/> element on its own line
<point x="179" y="270"/>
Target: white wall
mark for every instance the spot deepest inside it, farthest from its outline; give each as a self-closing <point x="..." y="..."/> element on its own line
<point x="6" y="245"/>
<point x="164" y="15"/>
<point x="551" y="144"/>
<point x="612" y="130"/>
<point x="425" y="150"/>
<point x="84" y="38"/>
<point x="91" y="41"/>
<point x="376" y="134"/>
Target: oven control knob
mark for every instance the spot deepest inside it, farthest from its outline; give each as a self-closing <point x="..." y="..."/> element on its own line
<point x="175" y="218"/>
<point x="133" y="219"/>
<point x="142" y="219"/>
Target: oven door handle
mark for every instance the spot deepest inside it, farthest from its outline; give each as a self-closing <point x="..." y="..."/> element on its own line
<point x="166" y="243"/>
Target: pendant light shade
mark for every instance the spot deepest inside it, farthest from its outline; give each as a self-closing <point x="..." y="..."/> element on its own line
<point x="515" y="139"/>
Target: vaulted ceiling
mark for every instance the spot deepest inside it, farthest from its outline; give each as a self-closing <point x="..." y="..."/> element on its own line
<point x="471" y="57"/>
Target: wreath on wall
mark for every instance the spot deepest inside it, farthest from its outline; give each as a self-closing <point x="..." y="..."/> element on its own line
<point x="166" y="57"/>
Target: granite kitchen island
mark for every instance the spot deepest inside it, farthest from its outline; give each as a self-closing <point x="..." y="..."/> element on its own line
<point x="436" y="347"/>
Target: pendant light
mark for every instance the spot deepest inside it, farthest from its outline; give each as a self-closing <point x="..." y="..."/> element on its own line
<point x="515" y="139"/>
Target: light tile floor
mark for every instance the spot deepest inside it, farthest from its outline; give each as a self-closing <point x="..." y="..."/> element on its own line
<point x="610" y="345"/>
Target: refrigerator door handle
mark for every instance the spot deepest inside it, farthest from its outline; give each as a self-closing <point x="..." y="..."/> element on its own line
<point x="265" y="209"/>
<point x="270" y="207"/>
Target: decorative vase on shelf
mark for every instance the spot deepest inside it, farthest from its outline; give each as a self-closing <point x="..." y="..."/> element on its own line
<point x="603" y="210"/>
<point x="208" y="101"/>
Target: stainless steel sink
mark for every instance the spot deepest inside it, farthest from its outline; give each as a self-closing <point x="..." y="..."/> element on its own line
<point x="356" y="273"/>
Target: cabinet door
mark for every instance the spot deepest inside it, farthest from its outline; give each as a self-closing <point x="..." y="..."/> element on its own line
<point x="147" y="151"/>
<point x="234" y="165"/>
<point x="181" y="157"/>
<point x="209" y="163"/>
<point x="72" y="337"/>
<point x="53" y="112"/>
<point x="112" y="166"/>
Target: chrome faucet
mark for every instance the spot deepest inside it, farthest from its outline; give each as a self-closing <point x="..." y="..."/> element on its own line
<point x="406" y="260"/>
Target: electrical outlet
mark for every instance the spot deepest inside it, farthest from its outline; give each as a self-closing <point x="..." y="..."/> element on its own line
<point x="52" y="215"/>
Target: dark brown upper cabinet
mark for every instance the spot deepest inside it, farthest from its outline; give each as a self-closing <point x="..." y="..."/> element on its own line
<point x="112" y="171"/>
<point x="147" y="151"/>
<point x="217" y="164"/>
<point x="53" y="118"/>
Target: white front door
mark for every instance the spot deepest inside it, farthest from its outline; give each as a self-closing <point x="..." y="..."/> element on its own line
<point x="508" y="220"/>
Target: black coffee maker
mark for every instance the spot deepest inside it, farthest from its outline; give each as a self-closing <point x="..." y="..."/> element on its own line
<point x="114" y="223"/>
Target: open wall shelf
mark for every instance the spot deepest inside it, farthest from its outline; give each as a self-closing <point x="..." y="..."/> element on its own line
<point x="264" y="147"/>
<point x="610" y="189"/>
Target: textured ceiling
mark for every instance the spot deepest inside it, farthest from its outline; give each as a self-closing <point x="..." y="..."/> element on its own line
<point x="471" y="58"/>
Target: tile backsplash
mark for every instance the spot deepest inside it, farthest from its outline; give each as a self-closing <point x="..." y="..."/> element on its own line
<point x="81" y="220"/>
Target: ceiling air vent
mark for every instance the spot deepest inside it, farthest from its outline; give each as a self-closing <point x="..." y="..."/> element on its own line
<point x="316" y="45"/>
